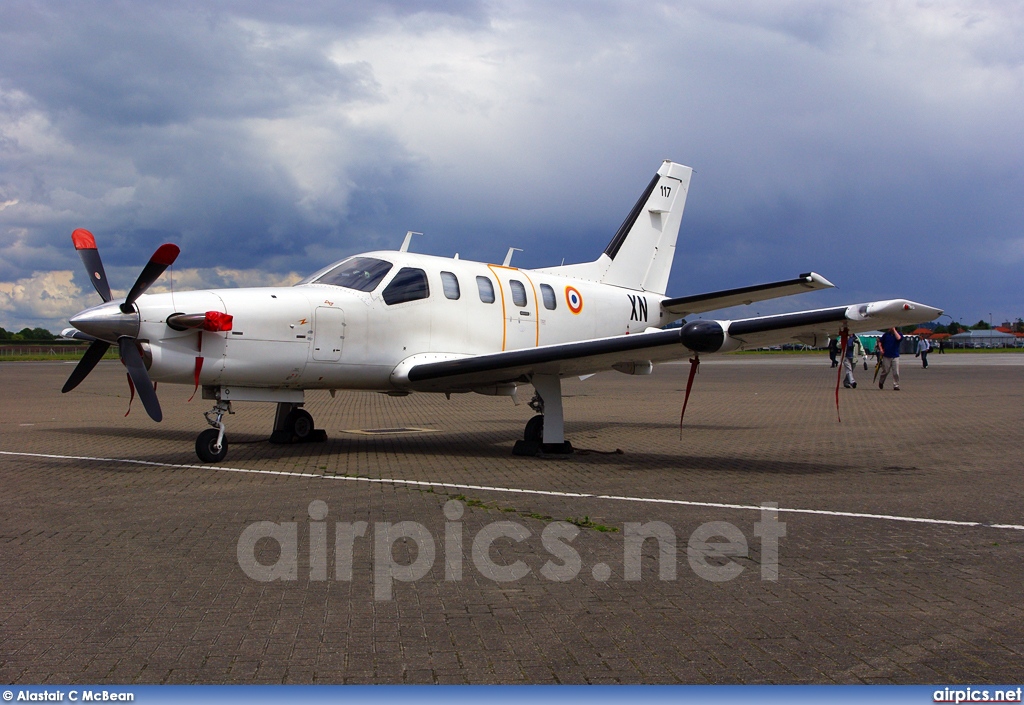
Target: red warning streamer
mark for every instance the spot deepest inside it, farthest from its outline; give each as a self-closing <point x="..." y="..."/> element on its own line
<point x="694" y="364"/>
<point x="846" y="340"/>
<point x="199" y="365"/>
<point x="131" y="386"/>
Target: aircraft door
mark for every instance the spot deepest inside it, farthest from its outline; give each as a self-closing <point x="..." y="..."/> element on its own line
<point x="518" y="297"/>
<point x="328" y="333"/>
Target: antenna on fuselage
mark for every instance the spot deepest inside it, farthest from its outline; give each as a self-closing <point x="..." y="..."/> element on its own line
<point x="407" y="241"/>
<point x="508" y="257"/>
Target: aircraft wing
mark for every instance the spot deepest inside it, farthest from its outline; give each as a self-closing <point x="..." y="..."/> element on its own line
<point x="687" y="305"/>
<point x="437" y="372"/>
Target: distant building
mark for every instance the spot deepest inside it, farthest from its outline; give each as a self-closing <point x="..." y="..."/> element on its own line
<point x="985" y="339"/>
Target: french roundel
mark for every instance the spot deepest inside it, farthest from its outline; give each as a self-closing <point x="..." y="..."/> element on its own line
<point x="573" y="299"/>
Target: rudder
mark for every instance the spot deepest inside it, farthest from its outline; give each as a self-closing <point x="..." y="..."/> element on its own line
<point x="642" y="250"/>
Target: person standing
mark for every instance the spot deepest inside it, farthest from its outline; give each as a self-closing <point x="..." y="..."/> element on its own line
<point x="924" y="346"/>
<point x="890" y="350"/>
<point x="833" y="351"/>
<point x="854" y="351"/>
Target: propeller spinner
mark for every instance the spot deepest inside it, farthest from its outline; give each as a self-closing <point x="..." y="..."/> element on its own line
<point x="116" y="322"/>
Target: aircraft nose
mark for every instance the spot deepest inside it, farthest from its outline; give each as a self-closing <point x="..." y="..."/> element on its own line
<point x="107" y="322"/>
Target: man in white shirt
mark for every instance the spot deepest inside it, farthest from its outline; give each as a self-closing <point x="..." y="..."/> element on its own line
<point x="923" y="348"/>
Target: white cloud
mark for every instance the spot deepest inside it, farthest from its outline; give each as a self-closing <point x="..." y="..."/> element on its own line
<point x="43" y="296"/>
<point x="220" y="278"/>
<point x="48" y="299"/>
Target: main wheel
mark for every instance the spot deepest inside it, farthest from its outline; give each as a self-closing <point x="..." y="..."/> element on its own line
<point x="534" y="429"/>
<point x="299" y="423"/>
<point x="206" y="446"/>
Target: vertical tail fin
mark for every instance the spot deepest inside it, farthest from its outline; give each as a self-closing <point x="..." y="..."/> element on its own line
<point x="640" y="254"/>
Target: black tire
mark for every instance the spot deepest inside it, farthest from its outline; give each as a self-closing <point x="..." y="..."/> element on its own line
<point x="299" y="424"/>
<point x="205" y="446"/>
<point x="534" y="430"/>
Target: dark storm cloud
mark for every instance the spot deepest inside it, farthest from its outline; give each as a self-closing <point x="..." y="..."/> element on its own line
<point x="154" y="65"/>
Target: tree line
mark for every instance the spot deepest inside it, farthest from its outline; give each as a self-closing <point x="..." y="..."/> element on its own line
<point x="33" y="334"/>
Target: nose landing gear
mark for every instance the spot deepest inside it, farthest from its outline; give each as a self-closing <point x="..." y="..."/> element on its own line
<point x="211" y="445"/>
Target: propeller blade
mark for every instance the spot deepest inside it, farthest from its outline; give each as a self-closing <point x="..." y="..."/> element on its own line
<point x="162" y="259"/>
<point x="85" y="243"/>
<point x="137" y="371"/>
<point x="94" y="354"/>
<point x="75" y="334"/>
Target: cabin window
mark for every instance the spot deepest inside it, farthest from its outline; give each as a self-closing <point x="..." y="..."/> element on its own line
<point x="359" y="273"/>
<point x="486" y="289"/>
<point x="518" y="292"/>
<point x="409" y="284"/>
<point x="548" y="294"/>
<point x="450" y="284"/>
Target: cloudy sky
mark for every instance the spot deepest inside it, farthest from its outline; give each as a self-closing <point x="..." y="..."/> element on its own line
<point x="878" y="143"/>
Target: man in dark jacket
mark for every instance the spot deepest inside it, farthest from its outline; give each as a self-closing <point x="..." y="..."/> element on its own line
<point x="890" y="345"/>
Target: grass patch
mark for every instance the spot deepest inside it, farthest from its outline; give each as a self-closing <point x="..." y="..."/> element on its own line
<point x="59" y="355"/>
<point x="583" y="522"/>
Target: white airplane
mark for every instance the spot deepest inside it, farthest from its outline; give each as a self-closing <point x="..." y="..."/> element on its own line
<point x="399" y="322"/>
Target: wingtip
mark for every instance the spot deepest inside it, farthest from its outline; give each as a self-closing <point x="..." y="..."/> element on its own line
<point x="821" y="281"/>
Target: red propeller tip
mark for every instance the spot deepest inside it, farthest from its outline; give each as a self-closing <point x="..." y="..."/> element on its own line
<point x="165" y="254"/>
<point x="83" y="239"/>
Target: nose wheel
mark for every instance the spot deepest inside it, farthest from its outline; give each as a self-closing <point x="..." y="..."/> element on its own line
<point x="211" y="445"/>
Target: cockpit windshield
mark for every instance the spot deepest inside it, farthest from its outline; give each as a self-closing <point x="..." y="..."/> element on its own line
<point x="359" y="273"/>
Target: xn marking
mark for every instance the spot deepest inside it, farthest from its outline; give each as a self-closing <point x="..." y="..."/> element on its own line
<point x="639" y="304"/>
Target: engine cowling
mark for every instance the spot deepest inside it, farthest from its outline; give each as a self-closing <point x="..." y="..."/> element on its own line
<point x="704" y="336"/>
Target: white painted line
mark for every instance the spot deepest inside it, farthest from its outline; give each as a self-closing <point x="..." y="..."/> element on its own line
<point x="388" y="431"/>
<point x="515" y="490"/>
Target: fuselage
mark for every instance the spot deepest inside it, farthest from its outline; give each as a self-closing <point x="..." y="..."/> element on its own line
<point x="321" y="335"/>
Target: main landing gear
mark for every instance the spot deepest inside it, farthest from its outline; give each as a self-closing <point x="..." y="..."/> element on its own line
<point x="292" y="424"/>
<point x="545" y="433"/>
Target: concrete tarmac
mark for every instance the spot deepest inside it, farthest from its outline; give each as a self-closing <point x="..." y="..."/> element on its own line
<point x="125" y="560"/>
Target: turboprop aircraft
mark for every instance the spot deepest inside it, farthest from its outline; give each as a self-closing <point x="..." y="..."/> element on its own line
<point x="399" y="322"/>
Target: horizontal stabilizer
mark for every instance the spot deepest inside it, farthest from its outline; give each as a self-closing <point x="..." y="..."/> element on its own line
<point x="812" y="328"/>
<point x="686" y="305"/>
